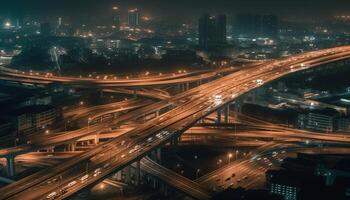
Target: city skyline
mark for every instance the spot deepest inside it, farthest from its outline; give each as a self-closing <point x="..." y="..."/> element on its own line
<point x="174" y="100"/>
<point x="312" y="10"/>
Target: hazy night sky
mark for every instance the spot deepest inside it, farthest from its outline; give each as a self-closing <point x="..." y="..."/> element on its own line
<point x="175" y="9"/>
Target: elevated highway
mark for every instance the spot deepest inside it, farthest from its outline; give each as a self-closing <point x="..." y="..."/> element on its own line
<point x="191" y="107"/>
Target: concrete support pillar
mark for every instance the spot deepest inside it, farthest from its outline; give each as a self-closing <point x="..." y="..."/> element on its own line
<point x="154" y="182"/>
<point x="135" y="93"/>
<point x="238" y="106"/>
<point x="176" y="141"/>
<point x="127" y="174"/>
<point x="187" y="86"/>
<point x="119" y="175"/>
<point x="72" y="146"/>
<point x="159" y="155"/>
<point x="173" y="143"/>
<point x="227" y="113"/>
<point x="51" y="149"/>
<point x="218" y="117"/>
<point x="157" y="113"/>
<point x="10" y="165"/>
<point x="138" y="173"/>
<point x="97" y="139"/>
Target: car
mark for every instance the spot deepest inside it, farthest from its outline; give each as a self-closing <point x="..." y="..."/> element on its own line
<point x="159" y="136"/>
<point x="245" y="177"/>
<point x="84" y="178"/>
<point x="72" y="183"/>
<point x="233" y="175"/>
<point x="166" y="133"/>
<point x="106" y="165"/>
<point x="259" y="82"/>
<point x="51" y="195"/>
<point x="229" y="178"/>
<point x="97" y="172"/>
<point x="122" y="156"/>
<point x="137" y="147"/>
<point x="63" y="191"/>
<point x="132" y="151"/>
<point x="150" y="139"/>
<point x="54" y="180"/>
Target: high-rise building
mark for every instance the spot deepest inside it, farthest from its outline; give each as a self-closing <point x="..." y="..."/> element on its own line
<point x="59" y="22"/>
<point x="45" y="29"/>
<point x="221" y="29"/>
<point x="134" y="17"/>
<point x="246" y="25"/>
<point x="212" y="31"/>
<point x="254" y="26"/>
<point x="116" y="17"/>
<point x="318" y="121"/>
<point x="269" y="26"/>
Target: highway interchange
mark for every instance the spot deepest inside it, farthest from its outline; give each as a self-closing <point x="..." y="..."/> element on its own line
<point x="187" y="108"/>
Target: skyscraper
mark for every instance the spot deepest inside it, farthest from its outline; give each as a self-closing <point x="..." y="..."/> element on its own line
<point x="253" y="26"/>
<point x="221" y="22"/>
<point x="134" y="17"/>
<point x="59" y="22"/>
<point x="116" y="17"/>
<point x="270" y="26"/>
<point x="45" y="29"/>
<point x="212" y="31"/>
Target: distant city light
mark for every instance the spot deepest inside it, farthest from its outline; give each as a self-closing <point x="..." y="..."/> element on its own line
<point x="145" y="18"/>
<point x="7" y="24"/>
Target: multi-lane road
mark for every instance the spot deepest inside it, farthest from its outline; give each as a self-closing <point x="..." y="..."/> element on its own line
<point x="188" y="108"/>
<point x="106" y="81"/>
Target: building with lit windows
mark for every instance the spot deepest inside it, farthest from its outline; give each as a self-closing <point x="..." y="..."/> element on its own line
<point x="317" y="121"/>
<point x="212" y="31"/>
<point x="255" y="26"/>
<point x="133" y="18"/>
<point x="116" y="18"/>
<point x="291" y="184"/>
<point x="31" y="118"/>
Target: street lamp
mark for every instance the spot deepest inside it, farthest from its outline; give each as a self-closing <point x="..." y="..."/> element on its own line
<point x="197" y="172"/>
<point x="7" y="24"/>
<point x="229" y="157"/>
<point x="16" y="140"/>
<point x="89" y="120"/>
<point x="65" y="124"/>
<point x="219" y="162"/>
<point x="87" y="168"/>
